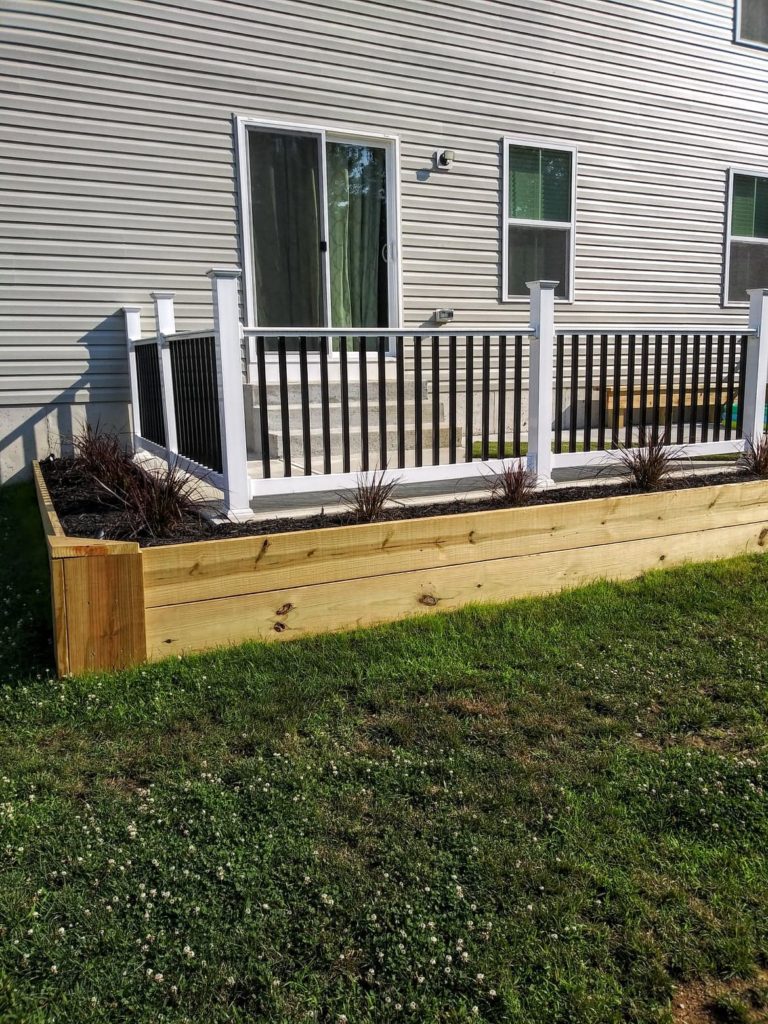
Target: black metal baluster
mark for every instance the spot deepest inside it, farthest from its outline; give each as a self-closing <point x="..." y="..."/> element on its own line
<point x="325" y="404"/>
<point x="470" y="384"/>
<point x="417" y="417"/>
<point x="306" y="435"/>
<point x="559" y="359"/>
<point x="707" y="398"/>
<point x="740" y="398"/>
<point x="588" y="375"/>
<point x="616" y="411"/>
<point x="694" y="389"/>
<point x="485" y="399"/>
<point x="682" y="379"/>
<point x="285" y="417"/>
<point x="400" y="389"/>
<point x="452" y="425"/>
<point x="574" y="393"/>
<point x="602" y="398"/>
<point x="435" y="400"/>
<point x="644" y="361"/>
<point x="362" y="360"/>
<point x="501" y="424"/>
<point x="720" y="358"/>
<point x="730" y="389"/>
<point x="344" y="395"/>
<point x="628" y="419"/>
<point x="382" y="381"/>
<point x="261" y="369"/>
<point x="669" y="393"/>
<point x="657" y="385"/>
<point x="517" y="422"/>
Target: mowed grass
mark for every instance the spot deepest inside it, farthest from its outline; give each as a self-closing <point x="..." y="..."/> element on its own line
<point x="550" y="811"/>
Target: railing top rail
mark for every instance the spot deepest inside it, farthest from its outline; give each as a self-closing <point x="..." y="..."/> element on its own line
<point x="144" y="341"/>
<point x="638" y="331"/>
<point x="190" y="335"/>
<point x="383" y="332"/>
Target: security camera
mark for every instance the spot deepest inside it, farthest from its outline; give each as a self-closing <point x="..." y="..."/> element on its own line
<point x="445" y="157"/>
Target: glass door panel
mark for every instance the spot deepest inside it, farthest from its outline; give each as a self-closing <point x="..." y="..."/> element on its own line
<point x="358" y="233"/>
<point x="286" y="225"/>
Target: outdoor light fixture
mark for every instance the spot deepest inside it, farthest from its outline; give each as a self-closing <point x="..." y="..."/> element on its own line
<point x="445" y="157"/>
<point x="442" y="316"/>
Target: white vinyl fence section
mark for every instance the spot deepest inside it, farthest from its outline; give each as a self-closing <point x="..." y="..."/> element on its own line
<point x="317" y="406"/>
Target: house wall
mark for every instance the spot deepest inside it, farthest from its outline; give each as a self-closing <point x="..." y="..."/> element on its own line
<point x="116" y="150"/>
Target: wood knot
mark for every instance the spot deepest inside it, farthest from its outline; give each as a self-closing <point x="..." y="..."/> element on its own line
<point x="279" y="627"/>
<point x="284" y="608"/>
<point x="428" y="600"/>
<point x="761" y="538"/>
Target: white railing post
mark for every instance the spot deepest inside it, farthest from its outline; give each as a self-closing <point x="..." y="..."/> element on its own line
<point x="165" y="323"/>
<point x="229" y="366"/>
<point x="133" y="334"/>
<point x="756" y="366"/>
<point x="541" y="379"/>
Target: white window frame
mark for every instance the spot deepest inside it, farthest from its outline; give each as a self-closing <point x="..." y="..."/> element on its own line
<point x="749" y="172"/>
<point x="559" y="146"/>
<point x="324" y="133"/>
<point x="737" y="37"/>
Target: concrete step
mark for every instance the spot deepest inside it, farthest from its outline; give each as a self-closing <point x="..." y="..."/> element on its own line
<point x="274" y="415"/>
<point x="355" y="442"/>
<point x="315" y="395"/>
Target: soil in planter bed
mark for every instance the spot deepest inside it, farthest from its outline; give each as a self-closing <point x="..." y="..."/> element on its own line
<point x="83" y="512"/>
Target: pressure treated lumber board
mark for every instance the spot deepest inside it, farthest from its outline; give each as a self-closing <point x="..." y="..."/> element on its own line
<point x="51" y="525"/>
<point x="97" y="596"/>
<point x="104" y="611"/>
<point x="318" y="608"/>
<point x="211" y="569"/>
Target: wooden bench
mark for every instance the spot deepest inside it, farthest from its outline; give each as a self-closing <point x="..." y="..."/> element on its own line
<point x="688" y="398"/>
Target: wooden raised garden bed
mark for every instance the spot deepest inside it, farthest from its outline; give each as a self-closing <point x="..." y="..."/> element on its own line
<point x="116" y="604"/>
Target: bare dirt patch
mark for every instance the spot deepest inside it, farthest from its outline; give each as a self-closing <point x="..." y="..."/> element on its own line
<point x="736" y="1001"/>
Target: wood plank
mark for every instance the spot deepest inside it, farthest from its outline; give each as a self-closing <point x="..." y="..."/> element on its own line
<point x="51" y="524"/>
<point x="59" y="616"/>
<point x="104" y="611"/>
<point x="297" y="611"/>
<point x="212" y="569"/>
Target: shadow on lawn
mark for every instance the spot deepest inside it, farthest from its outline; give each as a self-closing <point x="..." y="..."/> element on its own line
<point x="26" y="647"/>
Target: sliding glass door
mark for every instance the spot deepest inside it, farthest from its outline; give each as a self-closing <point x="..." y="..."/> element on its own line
<point x="321" y="220"/>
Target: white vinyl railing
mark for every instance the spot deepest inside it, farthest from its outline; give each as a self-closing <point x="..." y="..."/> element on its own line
<point x="318" y="405"/>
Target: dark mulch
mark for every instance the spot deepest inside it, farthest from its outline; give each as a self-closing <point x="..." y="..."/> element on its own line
<point x="84" y="511"/>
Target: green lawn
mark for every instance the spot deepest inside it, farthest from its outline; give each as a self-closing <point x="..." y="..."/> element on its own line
<point x="550" y="812"/>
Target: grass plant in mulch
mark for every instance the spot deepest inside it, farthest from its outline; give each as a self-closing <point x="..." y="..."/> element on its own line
<point x="548" y="812"/>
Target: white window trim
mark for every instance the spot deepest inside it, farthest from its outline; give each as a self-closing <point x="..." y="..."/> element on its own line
<point x="334" y="133"/>
<point x="750" y="172"/>
<point x="506" y="220"/>
<point x="737" y="38"/>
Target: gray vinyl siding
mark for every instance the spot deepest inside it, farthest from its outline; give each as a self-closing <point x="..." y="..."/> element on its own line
<point x="117" y="175"/>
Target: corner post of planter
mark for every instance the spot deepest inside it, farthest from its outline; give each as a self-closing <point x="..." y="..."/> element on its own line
<point x="541" y="379"/>
<point x="229" y="374"/>
<point x="165" y="323"/>
<point x="132" y="316"/>
<point x="756" y="366"/>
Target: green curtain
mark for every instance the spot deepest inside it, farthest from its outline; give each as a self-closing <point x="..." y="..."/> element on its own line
<point x="357" y="230"/>
<point x="285" y="208"/>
